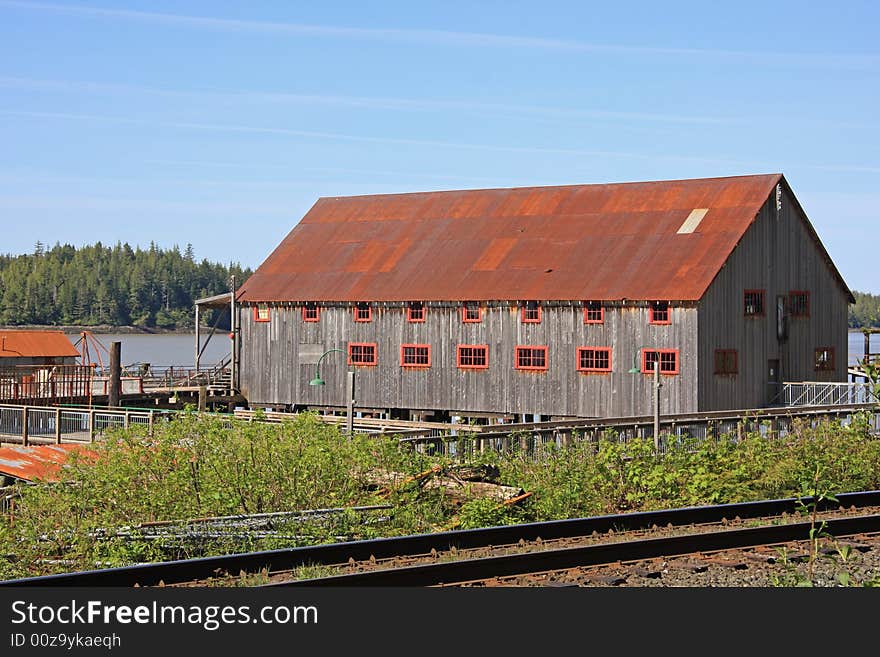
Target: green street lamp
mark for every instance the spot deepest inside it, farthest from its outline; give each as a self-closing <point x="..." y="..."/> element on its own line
<point x="318" y="381"/>
<point x="635" y="369"/>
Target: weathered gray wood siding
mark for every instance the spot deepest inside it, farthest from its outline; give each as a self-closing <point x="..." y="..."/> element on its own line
<point x="776" y="254"/>
<point x="271" y="371"/>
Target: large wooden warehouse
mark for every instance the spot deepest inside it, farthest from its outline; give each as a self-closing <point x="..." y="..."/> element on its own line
<point x="541" y="300"/>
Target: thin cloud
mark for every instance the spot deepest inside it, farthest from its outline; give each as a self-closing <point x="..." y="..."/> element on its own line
<point x="337" y="136"/>
<point x="384" y="103"/>
<point x="440" y="37"/>
<point x="402" y="141"/>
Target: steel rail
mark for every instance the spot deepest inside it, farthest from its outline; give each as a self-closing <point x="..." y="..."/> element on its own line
<point x="470" y="570"/>
<point x="188" y="570"/>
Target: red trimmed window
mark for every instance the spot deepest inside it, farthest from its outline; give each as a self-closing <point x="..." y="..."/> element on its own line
<point x="753" y="303"/>
<point x="824" y="360"/>
<point x="473" y="356"/>
<point x="362" y="353"/>
<point x="261" y="313"/>
<point x="594" y="359"/>
<point x="531" y="358"/>
<point x="471" y="313"/>
<point x="726" y="361"/>
<point x="659" y="313"/>
<point x="415" y="311"/>
<point x="415" y="355"/>
<point x="799" y="303"/>
<point x="668" y="360"/>
<point x="531" y="312"/>
<point x="311" y="312"/>
<point x="594" y="312"/>
<point x="363" y="312"/>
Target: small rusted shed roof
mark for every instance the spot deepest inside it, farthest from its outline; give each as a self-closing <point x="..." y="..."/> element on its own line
<point x="645" y="240"/>
<point x="35" y="344"/>
<point x="38" y="462"/>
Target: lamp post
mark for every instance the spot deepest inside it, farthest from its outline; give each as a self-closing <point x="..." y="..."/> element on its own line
<point x="635" y="369"/>
<point x="349" y="402"/>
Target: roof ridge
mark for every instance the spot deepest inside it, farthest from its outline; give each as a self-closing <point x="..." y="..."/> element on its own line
<point x="549" y="187"/>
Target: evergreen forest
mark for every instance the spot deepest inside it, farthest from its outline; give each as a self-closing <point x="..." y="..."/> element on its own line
<point x="110" y="285"/>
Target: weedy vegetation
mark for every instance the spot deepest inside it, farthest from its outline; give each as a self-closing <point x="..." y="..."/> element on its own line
<point x="143" y="498"/>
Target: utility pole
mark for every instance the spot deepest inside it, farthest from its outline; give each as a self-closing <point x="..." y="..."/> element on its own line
<point x="113" y="394"/>
<point x="657" y="404"/>
<point x="233" y="370"/>
<point x="349" y="403"/>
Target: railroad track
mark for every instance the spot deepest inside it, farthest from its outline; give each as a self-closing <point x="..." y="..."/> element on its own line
<point x="464" y="570"/>
<point x="468" y="571"/>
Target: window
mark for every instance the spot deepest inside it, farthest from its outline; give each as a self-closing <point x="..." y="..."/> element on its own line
<point x="668" y="360"/>
<point x="415" y="311"/>
<point x="799" y="303"/>
<point x="311" y="312"/>
<point x="726" y="361"/>
<point x="360" y="353"/>
<point x="753" y="303"/>
<point x="531" y="358"/>
<point x="824" y="361"/>
<point x="594" y="359"/>
<point x="471" y="313"/>
<point x="415" y="355"/>
<point x="261" y="313"/>
<point x="531" y="312"/>
<point x="594" y="312"/>
<point x="363" y="312"/>
<point x="473" y="356"/>
<point x="659" y="313"/>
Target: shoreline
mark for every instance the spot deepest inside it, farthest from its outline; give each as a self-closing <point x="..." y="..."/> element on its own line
<point x="101" y="329"/>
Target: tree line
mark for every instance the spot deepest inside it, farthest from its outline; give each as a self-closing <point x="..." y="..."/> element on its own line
<point x="110" y="285"/>
<point x="865" y="312"/>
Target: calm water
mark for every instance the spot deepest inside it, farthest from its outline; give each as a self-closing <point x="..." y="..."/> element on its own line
<point x="179" y="349"/>
<point x="163" y="349"/>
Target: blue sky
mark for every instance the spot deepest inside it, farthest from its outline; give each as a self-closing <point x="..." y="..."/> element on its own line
<point x="220" y="123"/>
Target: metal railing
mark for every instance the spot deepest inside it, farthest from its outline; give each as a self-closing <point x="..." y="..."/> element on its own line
<point x="179" y="376"/>
<point x="26" y="425"/>
<point x="44" y="384"/>
<point x="825" y="394"/>
<point x="532" y="438"/>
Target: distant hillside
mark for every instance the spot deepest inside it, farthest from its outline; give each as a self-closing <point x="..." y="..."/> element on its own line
<point x="119" y="286"/>
<point x="865" y="312"/>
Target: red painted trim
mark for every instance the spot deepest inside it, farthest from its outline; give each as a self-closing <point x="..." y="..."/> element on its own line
<point x="543" y="348"/>
<point x="735" y="369"/>
<point x="763" y="294"/>
<point x="645" y="369"/>
<point x="793" y="293"/>
<point x="668" y="319"/>
<point x="317" y="316"/>
<point x="375" y="360"/>
<point x="409" y="316"/>
<point x="421" y="346"/>
<point x="577" y="361"/>
<point x="530" y="321"/>
<point x="368" y="318"/>
<point x="479" y="318"/>
<point x="485" y="347"/>
<point x="827" y="366"/>
<point x="601" y="319"/>
<point x="257" y="314"/>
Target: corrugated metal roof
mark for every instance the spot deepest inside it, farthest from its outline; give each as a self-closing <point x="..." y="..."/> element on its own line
<point x="31" y="344"/>
<point x="603" y="242"/>
<point x="38" y="462"/>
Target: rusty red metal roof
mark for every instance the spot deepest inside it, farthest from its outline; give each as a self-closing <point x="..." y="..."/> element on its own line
<point x="33" y="344"/>
<point x="38" y="462"/>
<point x="602" y="242"/>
